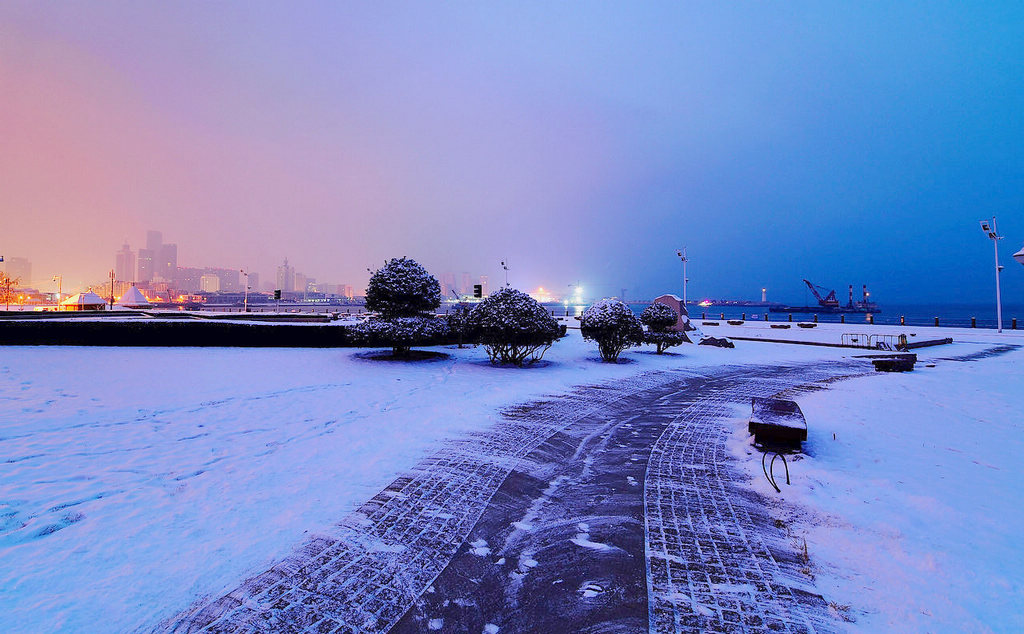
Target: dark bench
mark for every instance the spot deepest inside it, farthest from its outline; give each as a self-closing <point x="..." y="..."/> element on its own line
<point x="776" y="422"/>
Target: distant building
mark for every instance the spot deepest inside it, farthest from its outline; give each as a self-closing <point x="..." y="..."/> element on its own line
<point x="124" y="264"/>
<point x="286" y="277"/>
<point x="146" y="265"/>
<point x="19" y="269"/>
<point x="167" y="266"/>
<point x="448" y="285"/>
<point x="187" y="279"/>
<point x="209" y="283"/>
<point x="254" y="281"/>
<point x="484" y="284"/>
<point x="301" y="283"/>
<point x="467" y="285"/>
<point x="154" y="240"/>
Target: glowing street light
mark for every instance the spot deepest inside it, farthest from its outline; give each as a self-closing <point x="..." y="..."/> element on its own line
<point x="245" y="300"/>
<point x="682" y="256"/>
<point x="989" y="227"/>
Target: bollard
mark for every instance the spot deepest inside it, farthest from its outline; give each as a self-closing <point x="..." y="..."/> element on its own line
<point x="974" y="322"/>
<point x="842" y="319"/>
<point x="815" y="318"/>
<point x="791" y="316"/>
<point x="766" y="317"/>
<point x="1014" y="324"/>
<point x="936" y="321"/>
<point x="903" y="320"/>
<point x="703" y="315"/>
<point x="871" y="319"/>
<point x="723" y="316"/>
<point x="744" y="316"/>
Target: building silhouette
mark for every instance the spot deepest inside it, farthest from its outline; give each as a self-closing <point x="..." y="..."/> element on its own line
<point x="124" y="264"/>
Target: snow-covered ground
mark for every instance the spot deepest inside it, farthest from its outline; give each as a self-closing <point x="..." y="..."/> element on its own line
<point x="911" y="499"/>
<point x="134" y="481"/>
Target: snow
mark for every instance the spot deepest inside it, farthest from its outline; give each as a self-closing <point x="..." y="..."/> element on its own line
<point x="135" y="481"/>
<point x="910" y="497"/>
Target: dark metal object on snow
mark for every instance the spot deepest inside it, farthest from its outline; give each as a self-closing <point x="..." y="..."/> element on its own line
<point x="777" y="422"/>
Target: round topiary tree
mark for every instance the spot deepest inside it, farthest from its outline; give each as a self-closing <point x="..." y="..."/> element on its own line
<point x="404" y="294"/>
<point x="659" y="318"/>
<point x="402" y="288"/>
<point x="513" y="327"/>
<point x="613" y="326"/>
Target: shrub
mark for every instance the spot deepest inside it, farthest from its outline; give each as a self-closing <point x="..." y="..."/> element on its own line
<point x="459" y="324"/>
<point x="659" y="318"/>
<point x="402" y="288"/>
<point x="402" y="292"/>
<point x="401" y="333"/>
<point x="613" y="326"/>
<point x="513" y="327"/>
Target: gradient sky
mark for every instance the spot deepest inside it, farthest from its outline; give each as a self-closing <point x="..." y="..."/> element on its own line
<point x="848" y="143"/>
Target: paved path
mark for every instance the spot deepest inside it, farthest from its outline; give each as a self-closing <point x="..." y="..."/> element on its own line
<point x="614" y="506"/>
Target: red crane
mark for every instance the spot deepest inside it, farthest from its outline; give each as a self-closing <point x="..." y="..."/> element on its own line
<point x="829" y="300"/>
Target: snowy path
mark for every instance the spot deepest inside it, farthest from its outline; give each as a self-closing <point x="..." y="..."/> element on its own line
<point x="547" y="518"/>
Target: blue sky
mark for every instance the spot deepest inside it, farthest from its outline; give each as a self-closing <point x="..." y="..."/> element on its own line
<point x="846" y="143"/>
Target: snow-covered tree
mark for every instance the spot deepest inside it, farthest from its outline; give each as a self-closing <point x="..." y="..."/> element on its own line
<point x="513" y="327"/>
<point x="659" y="318"/>
<point x="459" y="324"/>
<point x="400" y="333"/>
<point x="402" y="288"/>
<point x="404" y="294"/>
<point x="613" y="326"/>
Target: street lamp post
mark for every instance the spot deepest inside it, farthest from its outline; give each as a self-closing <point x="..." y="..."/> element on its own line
<point x="989" y="227"/>
<point x="245" y="300"/>
<point x="60" y="283"/>
<point x="682" y="256"/>
<point x="504" y="265"/>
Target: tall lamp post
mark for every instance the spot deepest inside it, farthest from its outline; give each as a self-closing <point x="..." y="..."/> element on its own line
<point x="682" y="256"/>
<point x="989" y="227"/>
<point x="245" y="300"/>
<point x="60" y="283"/>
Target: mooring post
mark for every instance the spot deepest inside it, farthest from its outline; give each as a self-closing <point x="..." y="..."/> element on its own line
<point x="936" y="321"/>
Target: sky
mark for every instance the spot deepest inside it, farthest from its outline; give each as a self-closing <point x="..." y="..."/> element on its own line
<point x="583" y="142"/>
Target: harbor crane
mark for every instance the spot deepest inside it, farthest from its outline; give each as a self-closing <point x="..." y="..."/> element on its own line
<point x="829" y="300"/>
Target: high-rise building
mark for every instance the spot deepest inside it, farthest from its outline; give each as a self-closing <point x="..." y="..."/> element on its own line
<point x="448" y="285"/>
<point x="154" y="240"/>
<point x="124" y="264"/>
<point x="19" y="269"/>
<point x="254" y="282"/>
<point x="146" y="265"/>
<point x="484" y="285"/>
<point x="286" y="277"/>
<point x="467" y="285"/>
<point x="167" y="265"/>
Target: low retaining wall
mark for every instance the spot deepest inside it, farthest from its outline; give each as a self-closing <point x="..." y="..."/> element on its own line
<point x="170" y="333"/>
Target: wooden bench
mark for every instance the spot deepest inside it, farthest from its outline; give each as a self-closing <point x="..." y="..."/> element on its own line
<point x="776" y="422"/>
